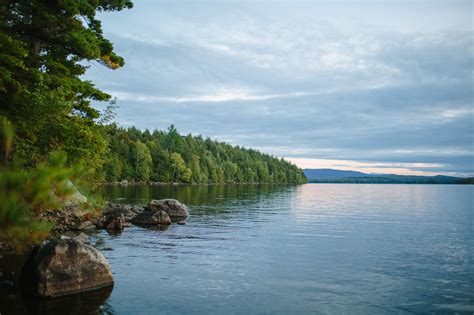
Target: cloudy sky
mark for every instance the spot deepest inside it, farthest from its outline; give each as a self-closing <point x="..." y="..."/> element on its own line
<point x="364" y="85"/>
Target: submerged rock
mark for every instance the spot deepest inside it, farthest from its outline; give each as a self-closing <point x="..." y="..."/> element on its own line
<point x="117" y="216"/>
<point x="114" y="224"/>
<point x="152" y="218"/>
<point x="172" y="207"/>
<point x="64" y="266"/>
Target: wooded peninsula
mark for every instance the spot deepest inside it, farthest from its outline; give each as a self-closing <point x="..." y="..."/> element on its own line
<point x="53" y="140"/>
<point x="167" y="156"/>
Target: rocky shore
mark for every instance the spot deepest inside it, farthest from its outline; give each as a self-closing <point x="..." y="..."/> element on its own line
<point x="66" y="263"/>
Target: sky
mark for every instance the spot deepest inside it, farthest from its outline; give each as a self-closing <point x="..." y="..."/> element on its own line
<point x="372" y="86"/>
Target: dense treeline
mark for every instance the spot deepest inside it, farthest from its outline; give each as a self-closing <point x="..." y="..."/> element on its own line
<point x="395" y="179"/>
<point x="167" y="156"/>
<point x="466" y="181"/>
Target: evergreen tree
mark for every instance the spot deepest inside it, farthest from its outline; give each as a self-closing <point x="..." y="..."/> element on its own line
<point x="43" y="48"/>
<point x="170" y="157"/>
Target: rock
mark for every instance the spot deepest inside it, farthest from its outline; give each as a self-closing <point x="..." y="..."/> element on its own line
<point x="64" y="266"/>
<point x="137" y="209"/>
<point x="173" y="207"/>
<point x="99" y="224"/>
<point x="86" y="226"/>
<point x="82" y="237"/>
<point x="76" y="198"/>
<point x="127" y="211"/>
<point x="152" y="218"/>
<point x="114" y="224"/>
<point x="118" y="216"/>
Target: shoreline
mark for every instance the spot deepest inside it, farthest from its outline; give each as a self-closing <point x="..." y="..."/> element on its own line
<point x="151" y="183"/>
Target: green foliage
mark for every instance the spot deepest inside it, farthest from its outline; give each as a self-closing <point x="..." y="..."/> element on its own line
<point x="44" y="124"/>
<point x="44" y="50"/>
<point x="178" y="167"/>
<point x="141" y="159"/>
<point x="25" y="194"/>
<point x="170" y="157"/>
<point x="45" y="42"/>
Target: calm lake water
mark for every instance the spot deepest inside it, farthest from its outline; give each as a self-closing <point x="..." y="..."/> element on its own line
<point x="307" y="249"/>
<point x="315" y="248"/>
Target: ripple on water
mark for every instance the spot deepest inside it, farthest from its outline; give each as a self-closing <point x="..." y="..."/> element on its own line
<point x="312" y="248"/>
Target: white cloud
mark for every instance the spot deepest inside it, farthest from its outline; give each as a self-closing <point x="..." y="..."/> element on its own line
<point x="220" y="95"/>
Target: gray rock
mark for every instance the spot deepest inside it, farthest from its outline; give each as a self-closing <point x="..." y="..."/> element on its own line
<point x="137" y="209"/>
<point x="152" y="218"/>
<point x="128" y="211"/>
<point x="86" y="226"/>
<point x="173" y="207"/>
<point x="82" y="237"/>
<point x="64" y="266"/>
<point x="114" y="224"/>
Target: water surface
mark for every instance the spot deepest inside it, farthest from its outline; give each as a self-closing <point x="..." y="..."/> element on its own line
<point x="315" y="248"/>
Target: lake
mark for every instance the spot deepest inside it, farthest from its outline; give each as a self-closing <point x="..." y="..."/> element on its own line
<point x="314" y="248"/>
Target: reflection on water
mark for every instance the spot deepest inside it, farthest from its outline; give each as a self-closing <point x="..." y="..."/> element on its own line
<point x="312" y="248"/>
<point x="92" y="302"/>
<point x="85" y="303"/>
<point x="192" y="195"/>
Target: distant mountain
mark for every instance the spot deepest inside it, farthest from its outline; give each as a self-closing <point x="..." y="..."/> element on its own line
<point x="328" y="173"/>
<point x="343" y="176"/>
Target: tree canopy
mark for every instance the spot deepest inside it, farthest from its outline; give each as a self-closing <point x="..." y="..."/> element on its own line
<point x="167" y="156"/>
<point x="44" y="49"/>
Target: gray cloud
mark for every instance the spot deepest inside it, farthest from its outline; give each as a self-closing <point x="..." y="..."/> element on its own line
<point x="299" y="80"/>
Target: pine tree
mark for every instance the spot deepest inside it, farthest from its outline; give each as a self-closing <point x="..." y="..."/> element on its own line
<point x="44" y="47"/>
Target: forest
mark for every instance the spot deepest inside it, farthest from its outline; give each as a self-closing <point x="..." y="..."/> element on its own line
<point x="51" y="135"/>
<point x="167" y="156"/>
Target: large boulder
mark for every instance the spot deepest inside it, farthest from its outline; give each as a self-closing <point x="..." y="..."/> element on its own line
<point x="174" y="208"/>
<point x="152" y="218"/>
<point x="64" y="266"/>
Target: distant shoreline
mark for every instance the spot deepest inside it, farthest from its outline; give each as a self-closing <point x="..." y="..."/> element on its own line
<point x="354" y="177"/>
<point x="393" y="183"/>
<point x="125" y="184"/>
